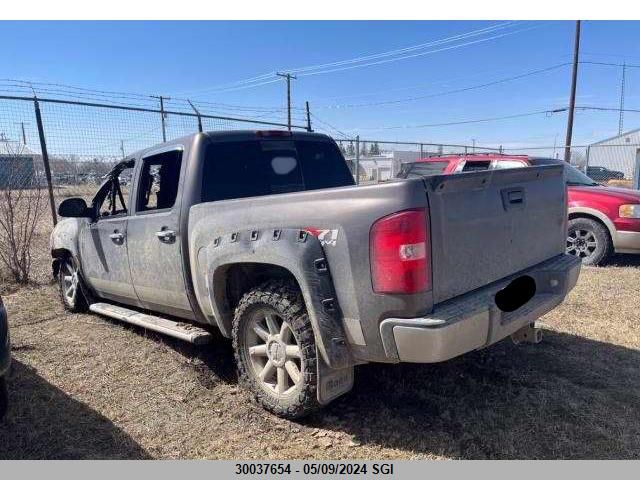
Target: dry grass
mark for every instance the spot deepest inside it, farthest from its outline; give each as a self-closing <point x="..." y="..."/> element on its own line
<point x="86" y="387"/>
<point x="619" y="183"/>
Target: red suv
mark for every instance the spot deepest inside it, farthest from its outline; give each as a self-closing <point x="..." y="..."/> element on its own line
<point x="602" y="220"/>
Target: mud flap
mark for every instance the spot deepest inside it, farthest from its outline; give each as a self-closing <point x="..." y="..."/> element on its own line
<point x="332" y="382"/>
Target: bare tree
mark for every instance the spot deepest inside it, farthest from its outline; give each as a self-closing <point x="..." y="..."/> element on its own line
<point x="22" y="203"/>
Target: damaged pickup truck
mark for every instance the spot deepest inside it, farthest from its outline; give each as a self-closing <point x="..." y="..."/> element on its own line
<point x="264" y="236"/>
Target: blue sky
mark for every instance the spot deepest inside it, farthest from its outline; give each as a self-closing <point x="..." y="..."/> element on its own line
<point x="185" y="58"/>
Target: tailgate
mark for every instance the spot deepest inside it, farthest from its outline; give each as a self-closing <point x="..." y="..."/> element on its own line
<point x="488" y="225"/>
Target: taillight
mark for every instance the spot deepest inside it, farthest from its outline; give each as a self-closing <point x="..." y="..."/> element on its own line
<point x="400" y="253"/>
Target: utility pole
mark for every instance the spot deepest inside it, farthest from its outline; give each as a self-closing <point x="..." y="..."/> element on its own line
<point x="572" y="98"/>
<point x="162" y="115"/>
<point x="122" y="148"/>
<point x="288" y="76"/>
<point x="308" y="118"/>
<point x="621" y="119"/>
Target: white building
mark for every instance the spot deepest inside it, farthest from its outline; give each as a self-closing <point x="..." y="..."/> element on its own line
<point x="621" y="153"/>
<point x="384" y="166"/>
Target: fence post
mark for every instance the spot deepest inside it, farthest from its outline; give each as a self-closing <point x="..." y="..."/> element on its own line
<point x="45" y="161"/>
<point x="357" y="159"/>
<point x="421" y="150"/>
<point x="587" y="159"/>
<point x="164" y="130"/>
<point x="198" y="115"/>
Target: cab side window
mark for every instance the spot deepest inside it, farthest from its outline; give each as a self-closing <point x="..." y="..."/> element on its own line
<point x="504" y="164"/>
<point x="159" y="180"/>
<point x="113" y="197"/>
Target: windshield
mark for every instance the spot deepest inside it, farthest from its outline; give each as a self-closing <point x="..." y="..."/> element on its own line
<point x="576" y="178"/>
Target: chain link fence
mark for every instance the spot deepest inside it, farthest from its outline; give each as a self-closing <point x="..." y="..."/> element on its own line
<point x="78" y="142"/>
<point x="379" y="161"/>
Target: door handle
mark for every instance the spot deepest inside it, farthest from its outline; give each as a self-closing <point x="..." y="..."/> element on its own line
<point x="513" y="198"/>
<point x="116" y="236"/>
<point x="166" y="235"/>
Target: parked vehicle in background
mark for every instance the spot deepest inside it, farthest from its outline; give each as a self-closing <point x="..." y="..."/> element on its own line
<point x="602" y="220"/>
<point x="5" y="359"/>
<point x="602" y="174"/>
<point x="264" y="236"/>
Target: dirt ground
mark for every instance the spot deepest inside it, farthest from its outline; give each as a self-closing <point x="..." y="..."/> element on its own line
<point x="83" y="386"/>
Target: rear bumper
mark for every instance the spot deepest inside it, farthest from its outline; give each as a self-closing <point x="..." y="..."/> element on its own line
<point x="473" y="320"/>
<point x="5" y="351"/>
<point x="627" y="242"/>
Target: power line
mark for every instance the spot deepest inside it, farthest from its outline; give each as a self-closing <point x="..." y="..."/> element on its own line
<point x="379" y="62"/>
<point x="547" y="113"/>
<point x="400" y="51"/>
<point x="450" y="92"/>
<point x="357" y="62"/>
<point x="477" y="120"/>
<point x="344" y="135"/>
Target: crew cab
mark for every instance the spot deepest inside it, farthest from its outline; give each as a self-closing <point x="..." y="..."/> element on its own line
<point x="265" y="237"/>
<point x="602" y="220"/>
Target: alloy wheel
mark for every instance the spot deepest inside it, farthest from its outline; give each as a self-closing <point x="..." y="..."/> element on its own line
<point x="274" y="352"/>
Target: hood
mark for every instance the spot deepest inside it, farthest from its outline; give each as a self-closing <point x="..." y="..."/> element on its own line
<point x="624" y="194"/>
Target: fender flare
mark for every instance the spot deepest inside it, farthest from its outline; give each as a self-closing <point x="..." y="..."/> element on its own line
<point x="300" y="254"/>
<point x="599" y="215"/>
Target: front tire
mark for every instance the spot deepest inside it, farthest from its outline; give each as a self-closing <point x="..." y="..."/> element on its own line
<point x="71" y="287"/>
<point x="275" y="349"/>
<point x="589" y="240"/>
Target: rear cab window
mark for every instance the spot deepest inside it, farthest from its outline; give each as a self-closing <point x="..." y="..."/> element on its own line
<point x="252" y="168"/>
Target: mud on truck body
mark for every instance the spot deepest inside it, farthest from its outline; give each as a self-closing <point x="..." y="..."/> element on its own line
<point x="265" y="237"/>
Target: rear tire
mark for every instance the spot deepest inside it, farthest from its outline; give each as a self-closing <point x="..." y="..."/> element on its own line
<point x="589" y="240"/>
<point x="71" y="286"/>
<point x="275" y="349"/>
<point x="4" y="397"/>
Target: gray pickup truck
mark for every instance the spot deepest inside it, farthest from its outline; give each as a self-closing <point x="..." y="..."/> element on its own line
<point x="264" y="236"/>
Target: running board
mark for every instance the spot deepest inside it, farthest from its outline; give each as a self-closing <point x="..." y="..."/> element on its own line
<point x="181" y="330"/>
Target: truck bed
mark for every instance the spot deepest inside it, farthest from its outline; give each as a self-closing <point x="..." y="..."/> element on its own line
<point x="484" y="226"/>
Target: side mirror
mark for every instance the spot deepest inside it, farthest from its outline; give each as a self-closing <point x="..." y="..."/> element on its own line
<point x="74" y="207"/>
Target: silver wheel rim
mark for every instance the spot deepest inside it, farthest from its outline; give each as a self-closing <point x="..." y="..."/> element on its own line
<point x="70" y="282"/>
<point x="274" y="353"/>
<point x="581" y="243"/>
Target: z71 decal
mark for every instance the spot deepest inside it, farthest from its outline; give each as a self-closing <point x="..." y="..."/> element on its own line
<point x="326" y="237"/>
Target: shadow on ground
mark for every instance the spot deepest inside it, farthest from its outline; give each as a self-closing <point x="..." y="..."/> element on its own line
<point x="624" y="260"/>
<point x="568" y="397"/>
<point x="45" y="423"/>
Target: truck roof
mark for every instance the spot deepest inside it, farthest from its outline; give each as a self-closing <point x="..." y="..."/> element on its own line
<point x="233" y="135"/>
<point x="473" y="157"/>
<point x="253" y="134"/>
